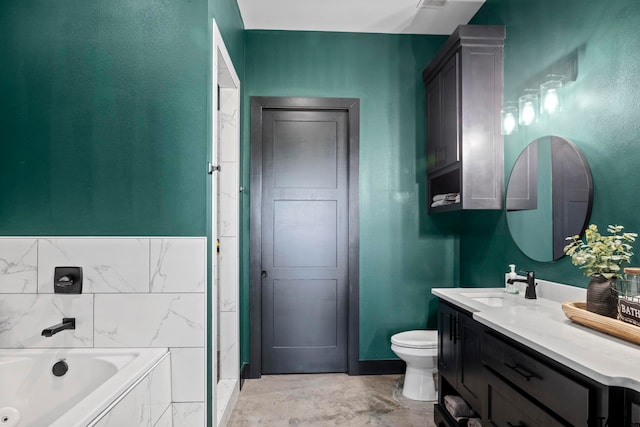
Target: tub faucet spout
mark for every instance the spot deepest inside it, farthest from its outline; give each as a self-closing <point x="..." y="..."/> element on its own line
<point x="67" y="323"/>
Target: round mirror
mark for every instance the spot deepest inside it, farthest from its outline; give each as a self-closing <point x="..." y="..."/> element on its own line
<point x="549" y="197"/>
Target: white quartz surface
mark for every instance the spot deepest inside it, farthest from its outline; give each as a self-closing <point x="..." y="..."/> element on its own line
<point x="541" y="325"/>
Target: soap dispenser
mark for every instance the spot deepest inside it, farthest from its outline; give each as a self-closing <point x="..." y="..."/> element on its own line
<point x="512" y="288"/>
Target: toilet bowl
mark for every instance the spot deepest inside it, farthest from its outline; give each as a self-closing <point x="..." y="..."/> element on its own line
<point x="419" y="350"/>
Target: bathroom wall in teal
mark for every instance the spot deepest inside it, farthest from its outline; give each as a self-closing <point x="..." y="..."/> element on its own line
<point x="403" y="251"/>
<point x="104" y="115"/>
<point x="600" y="116"/>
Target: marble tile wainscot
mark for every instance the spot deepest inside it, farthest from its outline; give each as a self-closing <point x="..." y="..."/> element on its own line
<point x="137" y="292"/>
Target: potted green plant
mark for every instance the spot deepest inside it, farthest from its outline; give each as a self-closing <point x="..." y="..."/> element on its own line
<point x="601" y="257"/>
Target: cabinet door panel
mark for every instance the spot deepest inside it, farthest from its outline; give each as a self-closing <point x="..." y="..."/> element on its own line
<point x="482" y="143"/>
<point x="450" y="113"/>
<point x="470" y="372"/>
<point x="434" y="124"/>
<point x="447" y="355"/>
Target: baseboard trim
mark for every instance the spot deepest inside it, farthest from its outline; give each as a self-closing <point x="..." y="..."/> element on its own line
<point x="381" y="367"/>
<point x="365" y="367"/>
<point x="245" y="373"/>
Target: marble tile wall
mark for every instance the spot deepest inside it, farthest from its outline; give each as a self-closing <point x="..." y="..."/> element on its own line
<point x="188" y="414"/>
<point x="137" y="292"/>
<point x="227" y="259"/>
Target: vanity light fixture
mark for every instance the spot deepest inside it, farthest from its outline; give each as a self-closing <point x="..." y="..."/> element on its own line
<point x="509" y="118"/>
<point x="528" y="107"/>
<point x="551" y="94"/>
<point x="547" y="99"/>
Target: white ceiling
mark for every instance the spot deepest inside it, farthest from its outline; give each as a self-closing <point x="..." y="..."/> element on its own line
<point x="362" y="16"/>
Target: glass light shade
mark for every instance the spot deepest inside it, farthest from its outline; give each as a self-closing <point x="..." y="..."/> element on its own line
<point x="528" y="108"/>
<point x="551" y="95"/>
<point x="509" y="119"/>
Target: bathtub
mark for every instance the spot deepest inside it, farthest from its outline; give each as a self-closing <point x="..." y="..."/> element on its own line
<point x="32" y="396"/>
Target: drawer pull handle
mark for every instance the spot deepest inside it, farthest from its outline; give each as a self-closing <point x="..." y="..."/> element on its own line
<point x="515" y="425"/>
<point x="520" y="370"/>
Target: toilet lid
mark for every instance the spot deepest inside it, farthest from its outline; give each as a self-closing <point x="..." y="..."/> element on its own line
<point x="416" y="339"/>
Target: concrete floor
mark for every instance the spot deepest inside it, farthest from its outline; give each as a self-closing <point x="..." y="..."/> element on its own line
<point x="328" y="400"/>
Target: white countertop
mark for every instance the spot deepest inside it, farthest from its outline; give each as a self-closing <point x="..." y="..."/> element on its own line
<point x="541" y="325"/>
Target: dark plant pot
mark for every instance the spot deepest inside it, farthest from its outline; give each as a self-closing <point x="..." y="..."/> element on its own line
<point x="602" y="296"/>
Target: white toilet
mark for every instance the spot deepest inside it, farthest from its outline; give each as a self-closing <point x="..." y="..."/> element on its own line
<point x="419" y="349"/>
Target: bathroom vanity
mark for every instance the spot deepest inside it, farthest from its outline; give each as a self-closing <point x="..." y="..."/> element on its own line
<point x="520" y="362"/>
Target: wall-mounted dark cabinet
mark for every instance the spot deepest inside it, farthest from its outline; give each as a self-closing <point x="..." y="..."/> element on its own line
<point x="464" y="86"/>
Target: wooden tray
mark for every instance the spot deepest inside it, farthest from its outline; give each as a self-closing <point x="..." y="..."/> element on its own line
<point x="577" y="312"/>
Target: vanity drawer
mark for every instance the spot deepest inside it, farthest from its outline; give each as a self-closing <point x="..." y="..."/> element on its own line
<point x="507" y="407"/>
<point x="563" y="395"/>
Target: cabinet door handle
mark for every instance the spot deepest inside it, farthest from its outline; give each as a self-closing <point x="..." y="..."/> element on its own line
<point x="455" y="330"/>
<point x="515" y="425"/>
<point x="451" y="331"/>
<point x="520" y="370"/>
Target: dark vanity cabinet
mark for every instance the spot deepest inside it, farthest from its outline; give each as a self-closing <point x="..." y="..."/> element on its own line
<point x="631" y="407"/>
<point x="508" y="384"/>
<point x="459" y="355"/>
<point x="524" y="388"/>
<point x="464" y="86"/>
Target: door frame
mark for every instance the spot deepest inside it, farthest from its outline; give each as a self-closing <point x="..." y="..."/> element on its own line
<point x="352" y="107"/>
<point x="221" y="400"/>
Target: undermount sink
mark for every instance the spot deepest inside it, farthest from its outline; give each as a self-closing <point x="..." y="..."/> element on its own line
<point x="492" y="299"/>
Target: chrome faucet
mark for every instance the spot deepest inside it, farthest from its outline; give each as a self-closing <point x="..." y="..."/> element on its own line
<point x="530" y="292"/>
<point x="67" y="323"/>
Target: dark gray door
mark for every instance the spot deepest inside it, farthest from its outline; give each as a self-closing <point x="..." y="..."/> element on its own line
<point x="571" y="193"/>
<point x="522" y="190"/>
<point x="304" y="241"/>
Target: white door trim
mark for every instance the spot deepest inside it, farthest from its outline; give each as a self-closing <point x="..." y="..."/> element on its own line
<point x="225" y="152"/>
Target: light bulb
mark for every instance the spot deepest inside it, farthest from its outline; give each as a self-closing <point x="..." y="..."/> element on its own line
<point x="551" y="93"/>
<point x="529" y="105"/>
<point x="551" y="101"/>
<point x="528" y="113"/>
<point x="509" y="123"/>
<point x="509" y="117"/>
